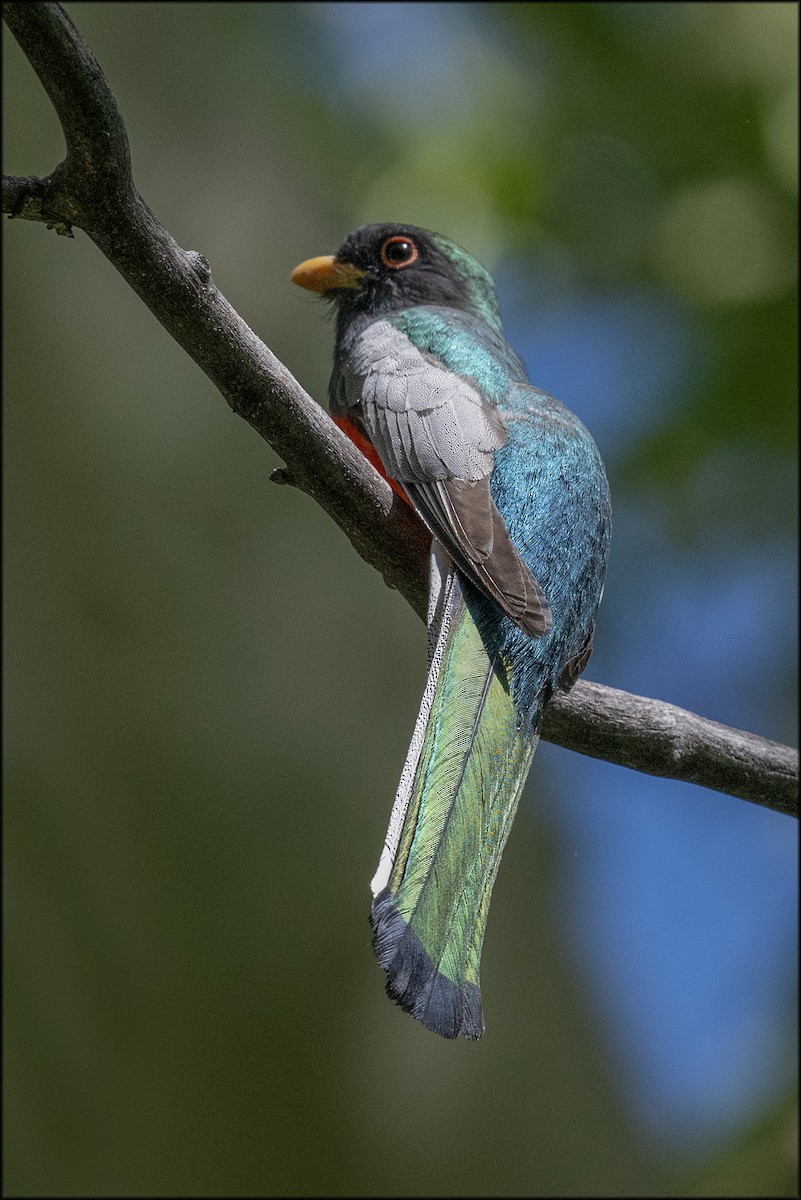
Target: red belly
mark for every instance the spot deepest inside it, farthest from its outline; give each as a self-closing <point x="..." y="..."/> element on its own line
<point x="370" y="453"/>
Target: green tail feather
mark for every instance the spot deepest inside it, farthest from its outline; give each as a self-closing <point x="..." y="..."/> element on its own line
<point x="458" y="796"/>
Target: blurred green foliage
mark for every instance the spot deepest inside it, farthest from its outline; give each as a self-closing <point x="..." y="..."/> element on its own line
<point x="208" y="695"/>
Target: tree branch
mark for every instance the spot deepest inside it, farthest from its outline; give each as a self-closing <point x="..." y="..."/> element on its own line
<point x="93" y="188"/>
<point x="662" y="739"/>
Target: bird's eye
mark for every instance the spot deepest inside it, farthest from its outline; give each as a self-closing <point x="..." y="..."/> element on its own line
<point x="398" y="251"/>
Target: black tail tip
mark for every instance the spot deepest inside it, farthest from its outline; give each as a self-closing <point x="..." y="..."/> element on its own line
<point x="413" y="982"/>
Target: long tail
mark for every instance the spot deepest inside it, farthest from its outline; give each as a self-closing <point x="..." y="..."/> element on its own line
<point x="457" y="797"/>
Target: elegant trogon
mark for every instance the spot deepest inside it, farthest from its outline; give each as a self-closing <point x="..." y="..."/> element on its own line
<point x="513" y="490"/>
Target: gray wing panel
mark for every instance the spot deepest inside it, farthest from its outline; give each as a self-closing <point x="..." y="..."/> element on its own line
<point x="424" y="421"/>
<point x="437" y="435"/>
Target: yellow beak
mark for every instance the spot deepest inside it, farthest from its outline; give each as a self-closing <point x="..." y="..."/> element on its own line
<point x="324" y="273"/>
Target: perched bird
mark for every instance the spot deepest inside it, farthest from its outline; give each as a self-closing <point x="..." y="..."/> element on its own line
<point x="514" y="493"/>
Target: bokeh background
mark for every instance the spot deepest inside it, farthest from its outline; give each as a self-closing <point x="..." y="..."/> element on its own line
<point x="208" y="695"/>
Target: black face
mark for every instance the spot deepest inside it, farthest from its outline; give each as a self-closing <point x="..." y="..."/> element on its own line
<point x="403" y="266"/>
